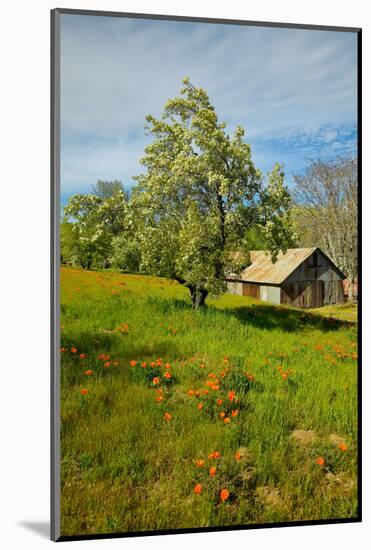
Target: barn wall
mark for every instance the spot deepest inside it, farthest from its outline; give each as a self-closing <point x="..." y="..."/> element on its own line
<point x="234" y="287"/>
<point x="297" y="290"/>
<point x="271" y="294"/>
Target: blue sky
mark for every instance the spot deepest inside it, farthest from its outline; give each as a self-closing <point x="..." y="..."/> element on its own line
<point x="294" y="91"/>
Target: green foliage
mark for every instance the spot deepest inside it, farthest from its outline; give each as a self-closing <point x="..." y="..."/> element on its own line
<point x="89" y="224"/>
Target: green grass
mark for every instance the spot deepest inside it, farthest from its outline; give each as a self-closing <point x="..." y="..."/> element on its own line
<point x="126" y="468"/>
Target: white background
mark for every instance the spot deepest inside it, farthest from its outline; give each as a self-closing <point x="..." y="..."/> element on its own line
<point x="24" y="253"/>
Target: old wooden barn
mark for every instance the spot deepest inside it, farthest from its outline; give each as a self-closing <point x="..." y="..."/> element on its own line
<point x="303" y="277"/>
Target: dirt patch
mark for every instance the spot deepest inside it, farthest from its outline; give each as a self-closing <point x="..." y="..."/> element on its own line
<point x="336" y="440"/>
<point x="269" y="496"/>
<point x="303" y="437"/>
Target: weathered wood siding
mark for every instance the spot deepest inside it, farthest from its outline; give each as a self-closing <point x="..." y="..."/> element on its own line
<point x="251" y="289"/>
<point x="234" y="287"/>
<point x="314" y="283"/>
<point x="303" y="294"/>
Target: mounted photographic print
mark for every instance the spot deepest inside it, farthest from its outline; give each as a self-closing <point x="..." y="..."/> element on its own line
<point x="205" y="274"/>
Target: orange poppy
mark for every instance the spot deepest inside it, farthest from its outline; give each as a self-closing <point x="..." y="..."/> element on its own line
<point x="320" y="460"/>
<point x="107" y="364"/>
<point x="73" y="350"/>
<point x="222" y="414"/>
<point x="226" y="420"/>
<point x="224" y="495"/>
<point x="167" y="366"/>
<point x="153" y="364"/>
<point x="231" y="395"/>
<point x="215" y="454"/>
<point x="198" y="489"/>
<point x="133" y="363"/>
<point x="167" y="417"/>
<point x="219" y="401"/>
<point x="88" y="372"/>
<point x="156" y="380"/>
<point x="343" y="447"/>
<point x="199" y="462"/>
<point x="234" y="413"/>
<point x="144" y="365"/>
<point x="83" y="355"/>
<point x="238" y="456"/>
<point x="84" y="391"/>
<point x="159" y="399"/>
<point x="200" y="406"/>
<point x="190" y="393"/>
<point x="167" y="375"/>
<point x="212" y="471"/>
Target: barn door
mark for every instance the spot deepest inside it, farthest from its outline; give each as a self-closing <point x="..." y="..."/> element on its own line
<point x="318" y="293"/>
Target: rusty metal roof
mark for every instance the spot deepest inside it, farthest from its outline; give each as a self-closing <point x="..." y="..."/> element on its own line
<point x="263" y="270"/>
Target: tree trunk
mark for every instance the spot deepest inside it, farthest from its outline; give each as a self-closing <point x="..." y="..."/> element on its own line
<point x="198" y="296"/>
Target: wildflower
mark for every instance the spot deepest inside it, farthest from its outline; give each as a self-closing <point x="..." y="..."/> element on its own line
<point x="84" y="391"/>
<point x="343" y="447"/>
<point x="206" y="392"/>
<point x="144" y="364"/>
<point x="167" y="366"/>
<point x="238" y="456"/>
<point x="159" y="399"/>
<point x="320" y="460"/>
<point x="231" y="395"/>
<point x="62" y="350"/>
<point x="200" y="406"/>
<point x="202" y="366"/>
<point x="153" y="364"/>
<point x="225" y="360"/>
<point x="199" y="463"/>
<point x="212" y="471"/>
<point x="226" y="420"/>
<point x="167" y="417"/>
<point x="234" y="413"/>
<point x="198" y="489"/>
<point x="156" y="380"/>
<point x="82" y="355"/>
<point x="190" y="393"/>
<point x="167" y="375"/>
<point x="215" y="454"/>
<point x="73" y="350"/>
<point x="222" y="414"/>
<point x="133" y="363"/>
<point x="107" y="364"/>
<point x="219" y="402"/>
<point x="101" y="356"/>
<point x="88" y="372"/>
<point x="224" y="495"/>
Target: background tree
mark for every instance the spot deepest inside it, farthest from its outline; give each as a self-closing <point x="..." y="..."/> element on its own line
<point x="105" y="189"/>
<point x="326" y="211"/>
<point x="89" y="224"/>
<point x="199" y="195"/>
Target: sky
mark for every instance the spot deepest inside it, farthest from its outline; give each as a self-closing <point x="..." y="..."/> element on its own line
<point x="293" y="91"/>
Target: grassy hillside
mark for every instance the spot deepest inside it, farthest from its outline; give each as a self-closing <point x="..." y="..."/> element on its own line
<point x="242" y="413"/>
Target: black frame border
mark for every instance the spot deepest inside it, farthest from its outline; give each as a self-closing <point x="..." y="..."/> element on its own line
<point x="55" y="52"/>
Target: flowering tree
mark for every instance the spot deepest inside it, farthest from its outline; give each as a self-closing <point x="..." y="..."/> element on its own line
<point x="198" y="196"/>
